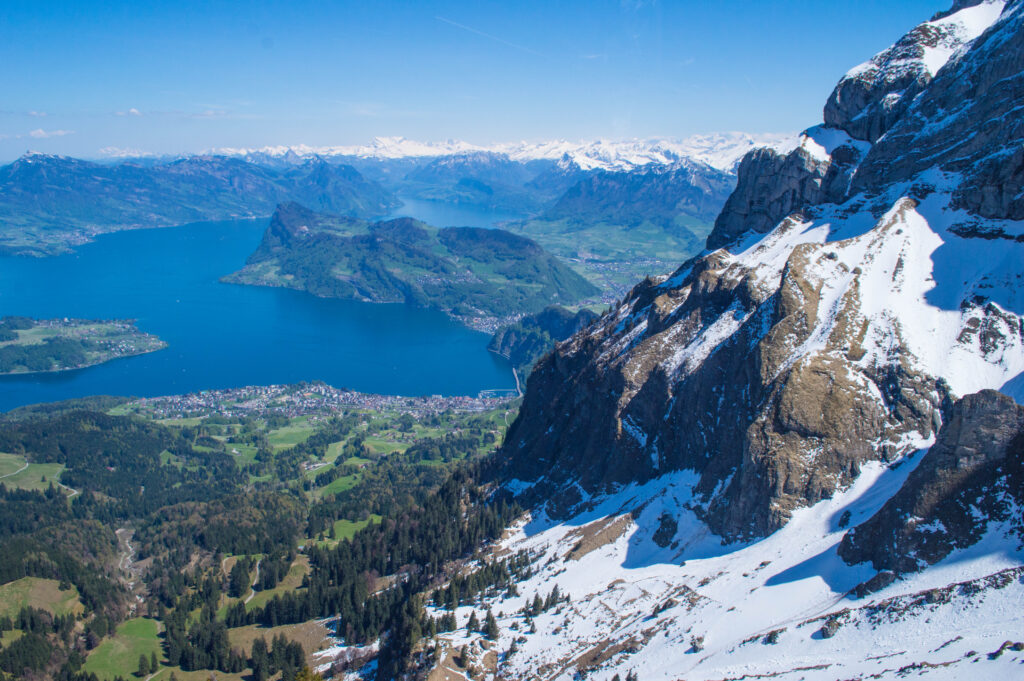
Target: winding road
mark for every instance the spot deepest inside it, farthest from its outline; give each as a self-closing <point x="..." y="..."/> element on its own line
<point x="17" y="471"/>
<point x="255" y="581"/>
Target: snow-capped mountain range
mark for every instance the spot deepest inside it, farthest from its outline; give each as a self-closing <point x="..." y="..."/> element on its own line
<point x="719" y="150"/>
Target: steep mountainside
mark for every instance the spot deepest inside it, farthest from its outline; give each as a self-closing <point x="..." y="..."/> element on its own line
<point x="973" y="475"/>
<point x="476" y="275"/>
<point x="669" y="196"/>
<point x="48" y="203"/>
<point x="832" y="330"/>
<point x="787" y="459"/>
<point x="524" y="342"/>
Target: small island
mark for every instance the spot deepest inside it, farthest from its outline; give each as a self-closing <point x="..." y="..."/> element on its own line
<point x="45" y="345"/>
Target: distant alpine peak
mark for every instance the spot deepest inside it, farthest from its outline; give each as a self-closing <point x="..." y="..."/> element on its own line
<point x="718" y="150"/>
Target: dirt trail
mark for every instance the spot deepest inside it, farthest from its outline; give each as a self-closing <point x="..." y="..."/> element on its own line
<point x="255" y="581"/>
<point x="16" y="472"/>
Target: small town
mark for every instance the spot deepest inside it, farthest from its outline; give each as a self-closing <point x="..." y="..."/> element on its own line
<point x="309" y="399"/>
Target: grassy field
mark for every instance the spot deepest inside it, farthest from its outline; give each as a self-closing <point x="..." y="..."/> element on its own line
<point x="312" y="635"/>
<point x="243" y="454"/>
<point x="181" y="423"/>
<point x="35" y="476"/>
<point x="290" y="435"/>
<point x="202" y="675"/>
<point x="334" y="451"/>
<point x="9" y="637"/>
<point x="383" y="445"/>
<point x="342" y="484"/>
<point x="119" y="654"/>
<point x="39" y="593"/>
<point x="10" y="464"/>
<point x="291" y="582"/>
<point x="346" y="529"/>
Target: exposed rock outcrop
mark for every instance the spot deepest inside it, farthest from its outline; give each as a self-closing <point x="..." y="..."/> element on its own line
<point x="975" y="100"/>
<point x="873" y="96"/>
<point x="772" y="185"/>
<point x="971" y="477"/>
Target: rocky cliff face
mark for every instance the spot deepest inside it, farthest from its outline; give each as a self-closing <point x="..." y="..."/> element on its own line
<point x="856" y="290"/>
<point x="973" y="476"/>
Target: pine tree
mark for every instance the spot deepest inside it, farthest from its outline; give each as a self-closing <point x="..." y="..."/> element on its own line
<point x="472" y="624"/>
<point x="153" y="664"/>
<point x="491" y="626"/>
<point x="143" y="667"/>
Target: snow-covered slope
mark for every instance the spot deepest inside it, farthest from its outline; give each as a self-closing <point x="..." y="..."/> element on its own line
<point x="719" y="150"/>
<point x="651" y="591"/>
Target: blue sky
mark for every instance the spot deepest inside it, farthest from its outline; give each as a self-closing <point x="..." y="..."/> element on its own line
<point x="176" y="77"/>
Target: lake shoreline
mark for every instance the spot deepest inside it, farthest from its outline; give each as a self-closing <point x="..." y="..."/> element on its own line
<point x="220" y="335"/>
<point x="25" y="341"/>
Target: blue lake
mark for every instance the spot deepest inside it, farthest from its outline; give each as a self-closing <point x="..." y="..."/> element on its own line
<point x="223" y="335"/>
<point x="442" y="214"/>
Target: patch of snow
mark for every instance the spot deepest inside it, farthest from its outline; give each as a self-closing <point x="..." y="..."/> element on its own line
<point x="635" y="431"/>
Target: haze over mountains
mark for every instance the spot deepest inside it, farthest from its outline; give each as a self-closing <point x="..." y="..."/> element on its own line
<point x="49" y="202"/>
<point x="721" y="150"/>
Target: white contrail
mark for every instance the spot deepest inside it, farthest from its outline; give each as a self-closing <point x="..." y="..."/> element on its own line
<point x="489" y="36"/>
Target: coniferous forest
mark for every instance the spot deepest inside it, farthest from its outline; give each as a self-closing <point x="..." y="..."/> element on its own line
<point x="213" y="526"/>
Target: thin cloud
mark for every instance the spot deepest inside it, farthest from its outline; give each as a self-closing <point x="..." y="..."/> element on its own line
<point x="636" y="5"/>
<point x="130" y="112"/>
<point x="204" y="114"/>
<point x="369" y="109"/>
<point x="41" y="134"/>
<point x="490" y="37"/>
<point x="124" y="152"/>
<point x="37" y="114"/>
<point x="209" y="113"/>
